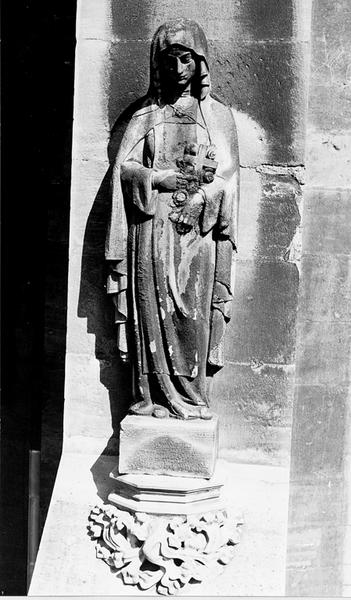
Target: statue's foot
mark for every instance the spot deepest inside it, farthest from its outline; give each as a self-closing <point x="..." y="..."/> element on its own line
<point x="186" y="411"/>
<point x="144" y="407"/>
<point x="160" y="412"/>
<point x="205" y="413"/>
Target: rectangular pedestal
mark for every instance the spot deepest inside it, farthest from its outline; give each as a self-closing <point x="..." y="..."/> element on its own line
<point x="168" y="446"/>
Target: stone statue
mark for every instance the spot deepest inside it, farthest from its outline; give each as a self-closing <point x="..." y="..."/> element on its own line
<point x="172" y="229"/>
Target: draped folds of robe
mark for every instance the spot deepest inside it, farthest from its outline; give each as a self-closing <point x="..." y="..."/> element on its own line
<point x="173" y="290"/>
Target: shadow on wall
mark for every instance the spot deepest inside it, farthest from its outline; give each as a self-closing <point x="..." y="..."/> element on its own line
<point x="255" y="74"/>
<point x="95" y="305"/>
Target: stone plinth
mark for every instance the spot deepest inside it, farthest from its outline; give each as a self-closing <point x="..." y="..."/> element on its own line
<point x="162" y="494"/>
<point x="168" y="446"/>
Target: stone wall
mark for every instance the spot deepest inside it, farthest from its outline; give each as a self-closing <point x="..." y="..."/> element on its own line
<point x="319" y="541"/>
<point x="258" y="61"/>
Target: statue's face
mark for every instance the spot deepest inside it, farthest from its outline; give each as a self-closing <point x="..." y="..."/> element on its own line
<point x="179" y="65"/>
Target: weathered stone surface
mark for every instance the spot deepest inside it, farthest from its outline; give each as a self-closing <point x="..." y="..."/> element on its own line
<point x="269" y="213"/>
<point x="279" y="215"/>
<point x="252" y="20"/>
<point x="95" y="311"/>
<point x="91" y="125"/>
<point x="168" y="446"/>
<point x="328" y="160"/>
<point x="324" y="353"/>
<point x="326" y="221"/>
<point x="325" y="289"/>
<point x="252" y="78"/>
<point x="264" y="313"/>
<point x="320" y="477"/>
<point x="327" y="491"/>
<point x="320" y="414"/>
<point x="257" y="404"/>
<point x="305" y="574"/>
<point x="330" y="98"/>
<point x="90" y="199"/>
<point x="268" y="82"/>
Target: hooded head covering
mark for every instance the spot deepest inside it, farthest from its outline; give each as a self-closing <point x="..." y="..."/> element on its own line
<point x="189" y="35"/>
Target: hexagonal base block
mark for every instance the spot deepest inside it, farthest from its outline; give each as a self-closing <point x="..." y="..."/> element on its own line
<point x="161" y="494"/>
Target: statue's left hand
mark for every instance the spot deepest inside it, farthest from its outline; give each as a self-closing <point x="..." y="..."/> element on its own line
<point x="190" y="214"/>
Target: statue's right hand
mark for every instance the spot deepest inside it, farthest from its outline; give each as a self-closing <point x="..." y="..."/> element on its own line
<point x="169" y="179"/>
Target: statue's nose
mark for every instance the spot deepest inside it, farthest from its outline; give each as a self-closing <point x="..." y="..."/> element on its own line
<point x="179" y="66"/>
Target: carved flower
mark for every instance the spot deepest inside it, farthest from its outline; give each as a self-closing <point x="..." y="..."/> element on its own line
<point x="111" y="511"/>
<point x="184" y="549"/>
<point x="177" y="521"/>
<point x="131" y="574"/>
<point x="95" y="530"/>
<point x="174" y="541"/>
<point x="148" y="579"/>
<point x="225" y="554"/>
<point x="211" y="152"/>
<point x="195" y="541"/>
<point x="140" y="527"/>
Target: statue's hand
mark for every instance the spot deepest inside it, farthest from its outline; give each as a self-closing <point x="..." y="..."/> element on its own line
<point x="169" y="180"/>
<point x="190" y="214"/>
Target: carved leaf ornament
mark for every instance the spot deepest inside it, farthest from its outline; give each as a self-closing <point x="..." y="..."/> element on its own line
<point x="166" y="552"/>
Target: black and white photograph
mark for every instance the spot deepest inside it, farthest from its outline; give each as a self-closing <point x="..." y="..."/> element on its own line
<point x="176" y="298"/>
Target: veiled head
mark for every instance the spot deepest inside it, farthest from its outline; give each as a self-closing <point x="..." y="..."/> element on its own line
<point x="178" y="55"/>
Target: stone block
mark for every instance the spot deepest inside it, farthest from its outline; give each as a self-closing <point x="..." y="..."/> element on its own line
<point x="268" y="82"/>
<point x="328" y="160"/>
<point x="324" y="353"/>
<point x="90" y="205"/>
<point x="269" y="212"/>
<point x="332" y="21"/>
<point x="319" y="432"/>
<point x="257" y="404"/>
<point x="127" y="76"/>
<point x="91" y="126"/>
<point x="325" y="288"/>
<point x="279" y="214"/>
<point x="330" y="98"/>
<point x="326" y="221"/>
<point x="264" y="313"/>
<point x="307" y="579"/>
<point x="249" y="208"/>
<point x="327" y="505"/>
<point x="168" y="446"/>
<point x="252" y="20"/>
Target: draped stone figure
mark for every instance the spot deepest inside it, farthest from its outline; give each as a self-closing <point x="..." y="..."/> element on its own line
<point x="172" y="229"/>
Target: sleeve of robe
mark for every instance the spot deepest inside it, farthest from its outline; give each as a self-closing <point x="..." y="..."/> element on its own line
<point x="131" y="184"/>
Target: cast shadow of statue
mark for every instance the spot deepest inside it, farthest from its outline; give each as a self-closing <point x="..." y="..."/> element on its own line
<point x="95" y="305"/>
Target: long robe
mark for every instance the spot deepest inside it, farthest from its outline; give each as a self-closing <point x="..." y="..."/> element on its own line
<point x="174" y="289"/>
